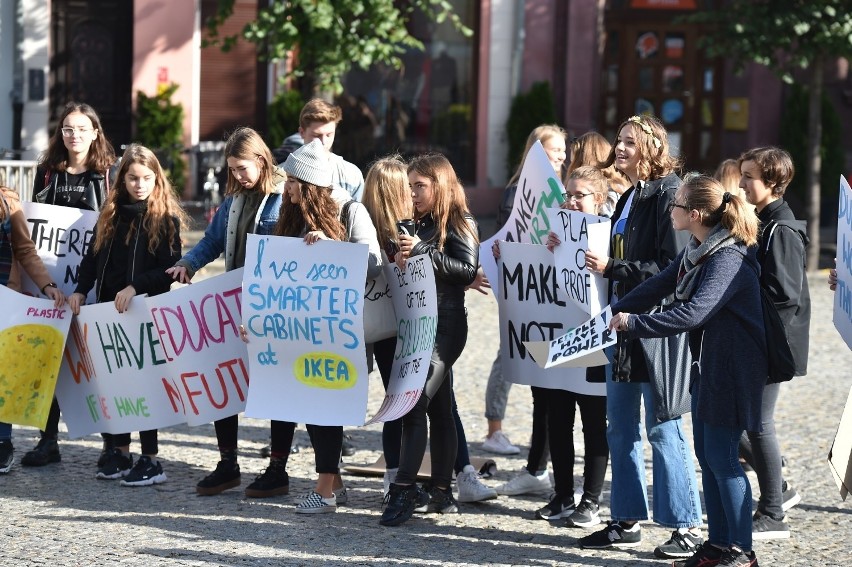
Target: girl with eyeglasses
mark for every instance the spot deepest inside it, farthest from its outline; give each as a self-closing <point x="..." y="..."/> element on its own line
<point x="643" y="243"/>
<point x="73" y="172"/>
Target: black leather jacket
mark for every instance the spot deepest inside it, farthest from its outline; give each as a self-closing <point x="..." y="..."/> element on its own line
<point x="92" y="199"/>
<point x="455" y="265"/>
<point x="650" y="244"/>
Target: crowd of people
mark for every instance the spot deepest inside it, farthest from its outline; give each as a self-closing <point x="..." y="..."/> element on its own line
<point x="688" y="259"/>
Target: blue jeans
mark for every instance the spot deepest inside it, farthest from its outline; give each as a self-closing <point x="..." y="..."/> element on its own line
<point x="5" y="431"/>
<point x="676" y="501"/>
<point x="727" y="492"/>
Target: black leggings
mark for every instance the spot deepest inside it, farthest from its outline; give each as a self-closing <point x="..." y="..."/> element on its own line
<point x="560" y="423"/>
<point x="436" y="402"/>
<point x="326" y="439"/>
<point x="147" y="440"/>
<point x="539" y="446"/>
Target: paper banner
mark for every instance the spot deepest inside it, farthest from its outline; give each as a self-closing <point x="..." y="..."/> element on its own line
<point x="581" y="346"/>
<point x="843" y="293"/>
<point x="415" y="302"/>
<point x="303" y="309"/>
<point x="32" y="338"/>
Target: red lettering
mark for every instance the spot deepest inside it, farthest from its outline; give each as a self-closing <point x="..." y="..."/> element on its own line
<point x="173" y="393"/>
<point x="191" y="393"/>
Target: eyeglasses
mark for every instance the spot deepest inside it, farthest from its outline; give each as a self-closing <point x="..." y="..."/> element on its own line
<point x="575" y="197"/>
<point x="68" y="132"/>
<point x="672" y="206"/>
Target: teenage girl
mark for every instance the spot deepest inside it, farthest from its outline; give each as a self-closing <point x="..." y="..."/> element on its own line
<point x="136" y="239"/>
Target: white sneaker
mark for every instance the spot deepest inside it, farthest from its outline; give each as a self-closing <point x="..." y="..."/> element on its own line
<point x="390" y="477"/>
<point x="526" y="483"/>
<point x="340" y="494"/>
<point x="498" y="443"/>
<point x="471" y="488"/>
<point x="316" y="504"/>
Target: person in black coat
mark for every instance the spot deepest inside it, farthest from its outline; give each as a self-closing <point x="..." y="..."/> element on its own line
<point x="766" y="172"/>
<point x="136" y="239"/>
<point x="715" y="281"/>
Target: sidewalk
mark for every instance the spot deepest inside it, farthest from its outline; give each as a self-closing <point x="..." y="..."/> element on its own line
<point x="60" y="515"/>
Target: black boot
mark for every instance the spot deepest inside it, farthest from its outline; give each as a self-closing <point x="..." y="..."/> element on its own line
<point x="46" y="451"/>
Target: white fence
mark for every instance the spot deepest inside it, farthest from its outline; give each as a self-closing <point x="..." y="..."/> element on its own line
<point x="19" y="176"/>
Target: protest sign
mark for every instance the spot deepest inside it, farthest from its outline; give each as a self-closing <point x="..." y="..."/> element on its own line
<point x="533" y="309"/>
<point x="840" y="455"/>
<point x="207" y="361"/>
<point x="303" y="311"/>
<point x="581" y="346"/>
<point x="577" y="233"/>
<point x="112" y="378"/>
<point x="539" y="188"/>
<point x="415" y="302"/>
<point x="32" y="337"/>
<point x="62" y="236"/>
<point x="843" y="293"/>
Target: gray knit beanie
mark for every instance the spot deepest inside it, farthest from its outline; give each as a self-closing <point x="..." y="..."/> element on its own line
<point x="310" y="164"/>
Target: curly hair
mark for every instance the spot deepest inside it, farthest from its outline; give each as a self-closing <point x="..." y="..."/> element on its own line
<point x="450" y="206"/>
<point x="593" y="149"/>
<point x="164" y="215"/>
<point x="245" y="143"/>
<point x="387" y="196"/>
<point x="316" y="210"/>
<point x="101" y="154"/>
<point x="652" y="145"/>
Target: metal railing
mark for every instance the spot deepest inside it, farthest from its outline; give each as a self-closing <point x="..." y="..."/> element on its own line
<point x="18" y="175"/>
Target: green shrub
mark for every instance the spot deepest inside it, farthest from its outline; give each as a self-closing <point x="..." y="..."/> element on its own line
<point x="283" y="116"/>
<point x="528" y="110"/>
<point x="159" y="126"/>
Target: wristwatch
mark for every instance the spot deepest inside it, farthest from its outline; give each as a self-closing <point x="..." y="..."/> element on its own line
<point x="51" y="284"/>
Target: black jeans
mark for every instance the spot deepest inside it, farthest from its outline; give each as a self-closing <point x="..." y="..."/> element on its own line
<point x="436" y="403"/>
<point x="560" y="424"/>
<point x="147" y="440"/>
<point x="761" y="451"/>
<point x="539" y="451"/>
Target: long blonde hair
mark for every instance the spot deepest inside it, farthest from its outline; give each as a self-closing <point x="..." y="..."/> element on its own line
<point x="162" y="211"/>
<point x="387" y="196"/>
<point x="593" y="149"/>
<point x="539" y="134"/>
<point x="450" y="207"/>
<point x="716" y="205"/>
<point x="246" y="143"/>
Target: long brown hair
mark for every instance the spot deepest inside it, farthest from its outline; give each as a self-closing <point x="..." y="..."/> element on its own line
<point x="450" y="207"/>
<point x="245" y="143"/>
<point x="387" y="196"/>
<point x="101" y="154"/>
<point x="593" y="149"/>
<point x="163" y="207"/>
<point x="316" y="210"/>
<point x="715" y="205"/>
<point x="652" y="145"/>
<point x="539" y="134"/>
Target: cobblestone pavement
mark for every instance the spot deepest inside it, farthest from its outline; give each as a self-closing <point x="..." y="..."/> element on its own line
<point x="60" y="515"/>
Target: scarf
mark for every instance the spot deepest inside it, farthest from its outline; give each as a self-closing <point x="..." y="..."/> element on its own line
<point x="695" y="254"/>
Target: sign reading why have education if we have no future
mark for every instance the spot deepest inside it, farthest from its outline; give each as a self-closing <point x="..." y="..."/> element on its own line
<point x="303" y="311"/>
<point x="539" y="189"/>
<point x="32" y="336"/>
<point x="62" y="235"/>
<point x="174" y="358"/>
<point x="533" y="309"/>
<point x="415" y="303"/>
<point x="843" y="293"/>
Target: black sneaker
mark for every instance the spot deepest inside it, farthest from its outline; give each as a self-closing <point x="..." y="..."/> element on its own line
<point x="226" y="475"/>
<point x="106" y="453"/>
<point x="273" y="481"/>
<point x="789" y="496"/>
<point x="145" y="473"/>
<point x="679" y="545"/>
<point x="704" y="556"/>
<point x="585" y="515"/>
<point x="348" y="448"/>
<point x="399" y="504"/>
<point x="764" y="527"/>
<point x="613" y="535"/>
<point x="7" y="455"/>
<point x="736" y="557"/>
<point x="46" y="451"/>
<point x="559" y="507"/>
<point x="442" y="501"/>
<point x="116" y="466"/>
<point x="421" y="498"/>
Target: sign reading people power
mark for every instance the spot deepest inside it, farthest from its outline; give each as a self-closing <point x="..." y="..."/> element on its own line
<point x="539" y="189"/>
<point x="843" y="293"/>
<point x="32" y="337"/>
<point x="112" y="376"/>
<point x="577" y="233"/>
<point x="416" y="304"/>
<point x="533" y="309"/>
<point x="581" y="345"/>
<point x="303" y="311"/>
<point x="207" y="361"/>
<point x="62" y="236"/>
